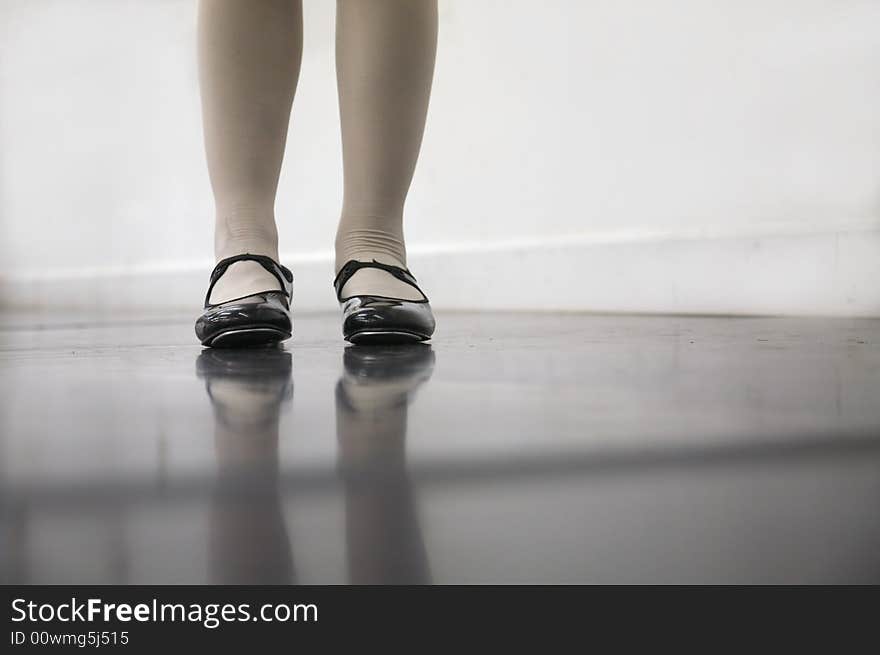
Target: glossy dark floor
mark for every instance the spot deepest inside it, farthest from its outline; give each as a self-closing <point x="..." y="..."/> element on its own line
<point x="515" y="448"/>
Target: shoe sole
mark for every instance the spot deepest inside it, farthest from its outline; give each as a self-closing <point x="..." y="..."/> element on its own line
<point x="366" y="337"/>
<point x="247" y="337"/>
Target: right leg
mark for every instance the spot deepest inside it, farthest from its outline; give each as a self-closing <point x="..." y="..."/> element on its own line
<point x="249" y="540"/>
<point x="249" y="59"/>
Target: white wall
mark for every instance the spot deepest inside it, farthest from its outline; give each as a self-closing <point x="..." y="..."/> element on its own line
<point x="687" y="155"/>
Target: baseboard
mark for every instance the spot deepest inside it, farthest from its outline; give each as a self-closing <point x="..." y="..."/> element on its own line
<point x="826" y="273"/>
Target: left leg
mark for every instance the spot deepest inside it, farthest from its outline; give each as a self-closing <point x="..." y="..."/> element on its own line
<point x="385" y="52"/>
<point x="385" y="542"/>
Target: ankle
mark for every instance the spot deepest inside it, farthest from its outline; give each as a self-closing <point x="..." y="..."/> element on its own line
<point x="368" y="243"/>
<point x="239" y="247"/>
<point x="368" y="256"/>
<point x="237" y="234"/>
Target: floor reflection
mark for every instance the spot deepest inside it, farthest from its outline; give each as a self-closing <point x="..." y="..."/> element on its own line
<point x="248" y="390"/>
<point x="560" y="449"/>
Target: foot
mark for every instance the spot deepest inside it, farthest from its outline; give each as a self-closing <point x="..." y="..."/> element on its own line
<point x="376" y="282"/>
<point x="237" y="232"/>
<point x="241" y="281"/>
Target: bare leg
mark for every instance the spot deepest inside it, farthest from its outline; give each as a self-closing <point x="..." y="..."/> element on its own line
<point x="385" y="52"/>
<point x="249" y="59"/>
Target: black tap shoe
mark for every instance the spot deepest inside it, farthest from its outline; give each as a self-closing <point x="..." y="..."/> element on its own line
<point x="368" y="319"/>
<point x="258" y="319"/>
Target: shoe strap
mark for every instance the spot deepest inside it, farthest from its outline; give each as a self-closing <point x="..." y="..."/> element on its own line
<point x="281" y="273"/>
<point x="352" y="266"/>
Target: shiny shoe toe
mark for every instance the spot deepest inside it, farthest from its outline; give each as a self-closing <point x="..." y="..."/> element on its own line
<point x="371" y="319"/>
<point x="264" y="321"/>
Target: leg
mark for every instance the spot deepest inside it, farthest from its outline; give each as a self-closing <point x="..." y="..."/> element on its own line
<point x="249" y="59"/>
<point x="384" y="536"/>
<point x="249" y="540"/>
<point x="384" y="62"/>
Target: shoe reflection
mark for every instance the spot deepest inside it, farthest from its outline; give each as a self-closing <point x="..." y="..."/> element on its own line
<point x="384" y="540"/>
<point x="249" y="543"/>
